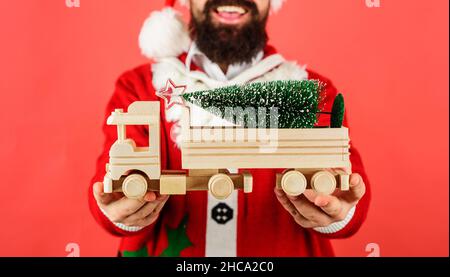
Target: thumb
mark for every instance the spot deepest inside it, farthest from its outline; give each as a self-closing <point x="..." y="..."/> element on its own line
<point x="100" y="196"/>
<point x="357" y="188"/>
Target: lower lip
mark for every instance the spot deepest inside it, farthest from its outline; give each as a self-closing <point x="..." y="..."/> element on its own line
<point x="230" y="18"/>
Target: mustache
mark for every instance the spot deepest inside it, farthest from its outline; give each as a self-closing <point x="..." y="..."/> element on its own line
<point x="212" y="5"/>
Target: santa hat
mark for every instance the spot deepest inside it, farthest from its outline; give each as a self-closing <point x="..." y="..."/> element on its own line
<point x="165" y="34"/>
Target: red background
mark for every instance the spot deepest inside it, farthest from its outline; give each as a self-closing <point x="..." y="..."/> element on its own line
<point x="59" y="64"/>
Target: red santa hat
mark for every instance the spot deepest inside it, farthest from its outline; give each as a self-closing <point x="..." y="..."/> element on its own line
<point x="164" y="33"/>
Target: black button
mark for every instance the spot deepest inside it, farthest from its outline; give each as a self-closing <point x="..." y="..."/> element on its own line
<point x="222" y="213"/>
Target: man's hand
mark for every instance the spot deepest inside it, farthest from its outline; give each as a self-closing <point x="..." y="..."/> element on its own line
<point x="311" y="210"/>
<point x="130" y="212"/>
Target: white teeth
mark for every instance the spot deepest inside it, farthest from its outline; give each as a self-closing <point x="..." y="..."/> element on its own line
<point x="231" y="9"/>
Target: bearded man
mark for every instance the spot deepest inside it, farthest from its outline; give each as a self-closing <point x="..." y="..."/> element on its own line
<point x="224" y="44"/>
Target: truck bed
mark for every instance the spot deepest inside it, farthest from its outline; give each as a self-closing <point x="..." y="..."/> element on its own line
<point x="235" y="147"/>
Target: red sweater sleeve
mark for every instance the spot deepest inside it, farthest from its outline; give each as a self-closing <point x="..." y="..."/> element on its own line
<point x="134" y="85"/>
<point x="362" y="207"/>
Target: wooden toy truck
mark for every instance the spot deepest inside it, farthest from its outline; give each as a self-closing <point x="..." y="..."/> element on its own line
<point x="207" y="152"/>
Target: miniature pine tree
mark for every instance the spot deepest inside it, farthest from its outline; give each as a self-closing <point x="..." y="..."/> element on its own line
<point x="337" y="112"/>
<point x="296" y="103"/>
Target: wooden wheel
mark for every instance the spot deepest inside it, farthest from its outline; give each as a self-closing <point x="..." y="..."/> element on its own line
<point x="293" y="183"/>
<point x="221" y="186"/>
<point x="134" y="186"/>
<point x="323" y="182"/>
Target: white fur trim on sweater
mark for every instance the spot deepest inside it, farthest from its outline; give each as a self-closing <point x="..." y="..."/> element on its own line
<point x="164" y="34"/>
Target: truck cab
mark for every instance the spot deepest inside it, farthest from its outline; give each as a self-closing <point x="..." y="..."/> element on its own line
<point x="130" y="167"/>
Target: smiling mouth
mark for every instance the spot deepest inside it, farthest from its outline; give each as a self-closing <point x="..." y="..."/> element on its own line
<point x="231" y="15"/>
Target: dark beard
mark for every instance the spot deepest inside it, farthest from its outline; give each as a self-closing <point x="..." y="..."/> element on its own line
<point x="230" y="45"/>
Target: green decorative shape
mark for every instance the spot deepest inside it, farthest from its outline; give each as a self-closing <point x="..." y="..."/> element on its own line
<point x="135" y="254"/>
<point x="296" y="103"/>
<point x="177" y="240"/>
<point x="337" y="112"/>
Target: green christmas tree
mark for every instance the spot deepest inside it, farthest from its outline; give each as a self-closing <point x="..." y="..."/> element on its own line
<point x="337" y="112"/>
<point x="295" y="102"/>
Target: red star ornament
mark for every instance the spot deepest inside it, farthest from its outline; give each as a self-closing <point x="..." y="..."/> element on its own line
<point x="172" y="94"/>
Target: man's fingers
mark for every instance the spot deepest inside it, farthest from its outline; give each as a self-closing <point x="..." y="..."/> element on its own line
<point x="289" y="207"/>
<point x="150" y="196"/>
<point x="163" y="199"/>
<point x="151" y="218"/>
<point x="118" y="207"/>
<point x="304" y="212"/>
<point x="357" y="189"/>
<point x="146" y="221"/>
<point x="310" y="211"/>
<point x="101" y="197"/>
<point x="124" y="207"/>
<point x="284" y="201"/>
<point x="311" y="195"/>
<point x="338" y="170"/>
<point x="317" y="210"/>
<point x="331" y="205"/>
<point x="149" y="208"/>
<point x="143" y="212"/>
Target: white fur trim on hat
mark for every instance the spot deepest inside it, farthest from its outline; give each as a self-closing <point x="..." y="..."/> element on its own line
<point x="164" y="34"/>
<point x="275" y="4"/>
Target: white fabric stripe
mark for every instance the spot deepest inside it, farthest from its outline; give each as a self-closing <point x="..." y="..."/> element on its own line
<point x="122" y="226"/>
<point x="337" y="226"/>
<point x="221" y="239"/>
